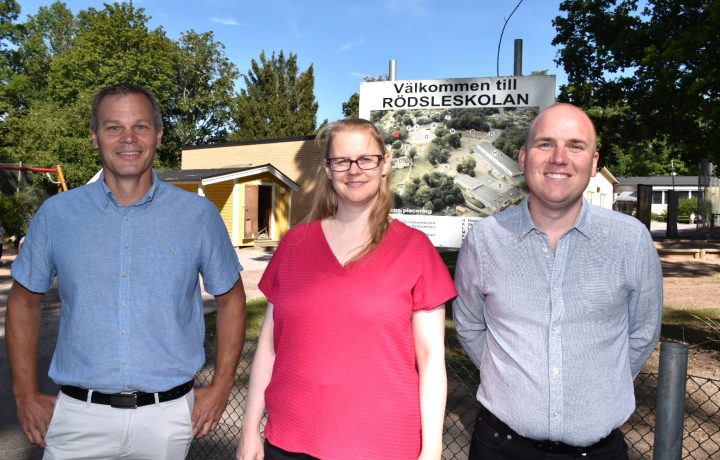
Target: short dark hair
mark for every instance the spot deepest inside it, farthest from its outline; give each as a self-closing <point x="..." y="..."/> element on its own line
<point x="123" y="89"/>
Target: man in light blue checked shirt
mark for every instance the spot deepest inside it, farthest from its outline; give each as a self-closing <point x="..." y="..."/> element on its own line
<point x="559" y="306"/>
<point x="127" y="252"/>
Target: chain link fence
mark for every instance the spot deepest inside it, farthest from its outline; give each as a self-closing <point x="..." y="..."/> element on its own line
<point x="701" y="437"/>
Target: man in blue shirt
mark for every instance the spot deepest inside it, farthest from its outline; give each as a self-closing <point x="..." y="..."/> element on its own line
<point x="559" y="306"/>
<point x="127" y="252"/>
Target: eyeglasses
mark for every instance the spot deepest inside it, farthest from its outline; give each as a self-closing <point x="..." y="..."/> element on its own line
<point x="365" y="162"/>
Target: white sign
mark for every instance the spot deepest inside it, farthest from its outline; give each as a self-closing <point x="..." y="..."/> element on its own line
<point x="454" y="145"/>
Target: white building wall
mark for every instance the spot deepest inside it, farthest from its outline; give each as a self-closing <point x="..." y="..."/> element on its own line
<point x="600" y="191"/>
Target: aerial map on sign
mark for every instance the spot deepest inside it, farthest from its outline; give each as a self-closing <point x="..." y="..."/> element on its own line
<point x="454" y="146"/>
<point x="455" y="162"/>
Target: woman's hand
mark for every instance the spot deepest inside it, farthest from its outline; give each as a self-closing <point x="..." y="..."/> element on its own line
<point x="250" y="447"/>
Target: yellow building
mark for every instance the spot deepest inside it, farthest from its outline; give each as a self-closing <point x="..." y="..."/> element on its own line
<point x="296" y="157"/>
<point x="255" y="202"/>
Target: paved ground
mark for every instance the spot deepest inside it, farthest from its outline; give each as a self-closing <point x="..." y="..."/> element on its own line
<point x="13" y="445"/>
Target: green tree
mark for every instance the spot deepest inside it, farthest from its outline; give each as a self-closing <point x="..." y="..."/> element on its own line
<point x="510" y="140"/>
<point x="44" y="35"/>
<point x="435" y="191"/>
<point x="686" y="206"/>
<point x="9" y="12"/>
<point x="50" y="134"/>
<point x="115" y="45"/>
<point x="454" y="140"/>
<point x="437" y="154"/>
<point x="467" y="166"/>
<point x="647" y="73"/>
<point x="278" y="99"/>
<point x="202" y="112"/>
<point x="351" y="107"/>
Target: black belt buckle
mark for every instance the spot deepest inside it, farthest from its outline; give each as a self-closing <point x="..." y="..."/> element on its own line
<point x="124" y="401"/>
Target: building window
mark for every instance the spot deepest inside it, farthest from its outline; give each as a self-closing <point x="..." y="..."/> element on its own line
<point x="657" y="197"/>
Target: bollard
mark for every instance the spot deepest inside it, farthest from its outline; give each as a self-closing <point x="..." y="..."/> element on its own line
<point x="670" y="411"/>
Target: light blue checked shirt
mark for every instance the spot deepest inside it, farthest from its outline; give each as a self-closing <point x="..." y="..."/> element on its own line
<point x="131" y="315"/>
<point x="559" y="337"/>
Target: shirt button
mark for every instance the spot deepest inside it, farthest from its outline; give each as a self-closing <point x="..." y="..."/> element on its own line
<point x="125" y="218"/>
<point x="125" y="245"/>
<point x="556" y="414"/>
<point x="124" y="275"/>
<point x="124" y="333"/>
<point x="124" y="362"/>
<point x="555" y="371"/>
<point x="555" y="327"/>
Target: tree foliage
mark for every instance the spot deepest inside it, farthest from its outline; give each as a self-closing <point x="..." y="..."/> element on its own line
<point x="649" y="75"/>
<point x="351" y="107"/>
<point x="434" y="191"/>
<point x="510" y="140"/>
<point x="201" y="112"/>
<point x="9" y="12"/>
<point x="54" y="61"/>
<point x="278" y="99"/>
<point x="467" y="166"/>
<point x="437" y="154"/>
<point x="58" y="60"/>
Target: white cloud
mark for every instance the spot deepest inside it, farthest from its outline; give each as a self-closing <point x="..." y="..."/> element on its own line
<point x="225" y="21"/>
<point x="348" y="46"/>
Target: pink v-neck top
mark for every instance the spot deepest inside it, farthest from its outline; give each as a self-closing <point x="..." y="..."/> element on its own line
<point x="344" y="384"/>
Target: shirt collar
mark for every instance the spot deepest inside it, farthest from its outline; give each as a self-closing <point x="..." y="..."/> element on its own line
<point x="105" y="195"/>
<point x="582" y="223"/>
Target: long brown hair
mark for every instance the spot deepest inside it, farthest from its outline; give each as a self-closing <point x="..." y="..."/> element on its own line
<point x="325" y="202"/>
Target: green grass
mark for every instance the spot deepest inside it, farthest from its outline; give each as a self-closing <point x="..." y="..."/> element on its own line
<point x="697" y="327"/>
<point x="695" y="318"/>
<point x="253" y="322"/>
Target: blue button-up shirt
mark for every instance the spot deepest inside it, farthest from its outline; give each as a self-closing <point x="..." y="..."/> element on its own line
<point x="131" y="314"/>
<point x="559" y="336"/>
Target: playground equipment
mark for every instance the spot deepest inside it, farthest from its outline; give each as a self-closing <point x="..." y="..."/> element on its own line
<point x="62" y="185"/>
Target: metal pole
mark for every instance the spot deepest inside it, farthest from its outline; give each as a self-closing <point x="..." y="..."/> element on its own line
<point x="670" y="414"/>
<point x="672" y="173"/>
<point x="517" y="67"/>
<point x="392" y="72"/>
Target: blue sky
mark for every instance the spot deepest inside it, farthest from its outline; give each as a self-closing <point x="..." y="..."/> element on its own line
<point x="345" y="40"/>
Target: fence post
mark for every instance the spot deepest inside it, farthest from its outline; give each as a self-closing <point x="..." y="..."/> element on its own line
<point x="670" y="411"/>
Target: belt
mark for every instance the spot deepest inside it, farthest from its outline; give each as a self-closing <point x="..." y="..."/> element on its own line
<point x="127" y="400"/>
<point x="555" y="447"/>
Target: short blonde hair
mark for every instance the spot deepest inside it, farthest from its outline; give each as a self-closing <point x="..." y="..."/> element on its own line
<point x="325" y="201"/>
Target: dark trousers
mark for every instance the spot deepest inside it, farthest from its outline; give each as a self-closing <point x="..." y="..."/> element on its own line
<point x="493" y="440"/>
<point x="276" y="453"/>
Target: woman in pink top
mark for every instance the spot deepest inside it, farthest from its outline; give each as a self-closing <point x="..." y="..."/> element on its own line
<point x="350" y="361"/>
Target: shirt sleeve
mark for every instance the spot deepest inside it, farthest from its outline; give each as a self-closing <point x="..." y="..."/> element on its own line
<point x="220" y="265"/>
<point x="645" y="304"/>
<point x="33" y="268"/>
<point x="434" y="286"/>
<point x="469" y="305"/>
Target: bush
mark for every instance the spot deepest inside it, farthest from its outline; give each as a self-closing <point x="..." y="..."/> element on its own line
<point x="687" y="206"/>
<point x="662" y="217"/>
